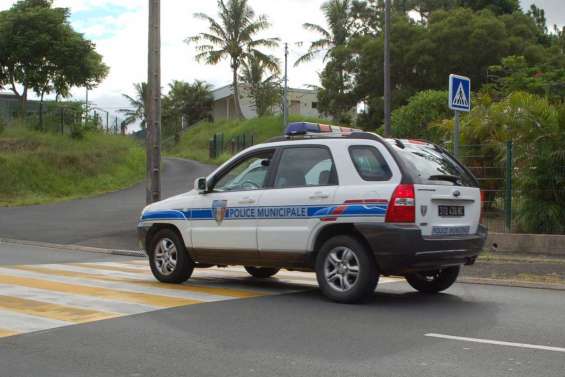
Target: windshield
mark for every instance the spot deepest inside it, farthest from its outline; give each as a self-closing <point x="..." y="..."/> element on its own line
<point x="435" y="166"/>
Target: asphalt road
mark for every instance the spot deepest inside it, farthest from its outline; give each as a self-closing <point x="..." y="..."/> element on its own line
<point x="294" y="334"/>
<point x="107" y="221"/>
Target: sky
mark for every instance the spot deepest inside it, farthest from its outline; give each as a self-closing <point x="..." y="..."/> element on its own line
<point x="119" y="30"/>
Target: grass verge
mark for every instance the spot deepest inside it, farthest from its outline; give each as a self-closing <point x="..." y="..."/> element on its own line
<point x="38" y="168"/>
<point x="194" y="143"/>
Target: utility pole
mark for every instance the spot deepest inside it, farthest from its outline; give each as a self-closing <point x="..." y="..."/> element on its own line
<point x="387" y="89"/>
<point x="285" y="100"/>
<point x="86" y="110"/>
<point x="153" y="104"/>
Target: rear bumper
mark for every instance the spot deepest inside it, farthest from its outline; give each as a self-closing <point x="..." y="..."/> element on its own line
<point x="400" y="248"/>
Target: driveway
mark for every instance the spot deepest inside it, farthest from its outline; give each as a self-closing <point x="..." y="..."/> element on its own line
<point x="107" y="221"/>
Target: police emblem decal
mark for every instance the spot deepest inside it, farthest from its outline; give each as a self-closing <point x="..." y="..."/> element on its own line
<point x="219" y="210"/>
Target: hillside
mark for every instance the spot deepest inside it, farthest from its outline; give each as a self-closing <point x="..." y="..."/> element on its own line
<point x="41" y="167"/>
<point x="194" y="143"/>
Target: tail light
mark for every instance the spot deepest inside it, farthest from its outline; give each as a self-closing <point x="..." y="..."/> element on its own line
<point x="402" y="206"/>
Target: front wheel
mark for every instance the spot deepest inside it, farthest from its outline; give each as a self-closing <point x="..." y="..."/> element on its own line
<point x="261" y="272"/>
<point x="433" y="281"/>
<point x="345" y="270"/>
<point x="168" y="258"/>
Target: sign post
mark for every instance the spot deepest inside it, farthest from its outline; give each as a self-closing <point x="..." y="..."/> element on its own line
<point x="459" y="100"/>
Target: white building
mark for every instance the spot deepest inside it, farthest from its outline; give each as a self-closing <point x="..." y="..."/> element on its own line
<point x="300" y="102"/>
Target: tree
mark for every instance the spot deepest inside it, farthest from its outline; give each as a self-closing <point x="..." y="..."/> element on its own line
<point x="414" y="119"/>
<point x="233" y="38"/>
<point x="191" y="102"/>
<point x="334" y="97"/>
<point x="265" y="92"/>
<point x="41" y="52"/>
<point x="498" y="7"/>
<point x="137" y="110"/>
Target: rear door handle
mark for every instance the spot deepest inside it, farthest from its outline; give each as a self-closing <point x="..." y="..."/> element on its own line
<point x="319" y="195"/>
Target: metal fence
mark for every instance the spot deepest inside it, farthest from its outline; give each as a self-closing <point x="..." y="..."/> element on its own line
<point x="508" y="188"/>
<point x="218" y="145"/>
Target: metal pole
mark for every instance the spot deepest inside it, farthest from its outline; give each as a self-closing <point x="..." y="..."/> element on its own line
<point x="107" y="122"/>
<point x="153" y="104"/>
<point x="387" y="86"/>
<point x="508" y="190"/>
<point x="86" y="110"/>
<point x="456" y="133"/>
<point x="285" y="100"/>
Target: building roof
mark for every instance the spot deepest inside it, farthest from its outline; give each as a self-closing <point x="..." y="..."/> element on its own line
<point x="227" y="91"/>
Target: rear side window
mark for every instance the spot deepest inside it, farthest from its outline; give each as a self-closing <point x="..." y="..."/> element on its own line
<point x="370" y="164"/>
<point x="305" y="167"/>
<point x="436" y="167"/>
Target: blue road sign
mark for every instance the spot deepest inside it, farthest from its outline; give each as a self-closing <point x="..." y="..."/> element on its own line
<point x="459" y="93"/>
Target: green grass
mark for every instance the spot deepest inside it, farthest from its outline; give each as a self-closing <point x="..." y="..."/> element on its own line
<point x="40" y="168"/>
<point x="194" y="142"/>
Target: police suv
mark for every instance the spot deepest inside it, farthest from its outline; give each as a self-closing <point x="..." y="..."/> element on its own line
<point x="346" y="204"/>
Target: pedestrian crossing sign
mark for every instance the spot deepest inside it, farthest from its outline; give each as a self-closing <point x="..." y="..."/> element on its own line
<point x="459" y="93"/>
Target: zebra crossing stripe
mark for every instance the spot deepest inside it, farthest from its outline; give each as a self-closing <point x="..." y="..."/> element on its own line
<point x="52" y="311"/>
<point x="188" y="287"/>
<point x="136" y="297"/>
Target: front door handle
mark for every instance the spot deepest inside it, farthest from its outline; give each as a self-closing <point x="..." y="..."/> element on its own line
<point x="319" y="195"/>
<point x="247" y="201"/>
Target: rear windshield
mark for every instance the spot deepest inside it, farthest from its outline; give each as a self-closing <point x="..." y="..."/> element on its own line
<point x="435" y="166"/>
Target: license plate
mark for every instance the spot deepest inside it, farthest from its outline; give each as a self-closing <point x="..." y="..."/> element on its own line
<point x="450" y="230"/>
<point x="451" y="211"/>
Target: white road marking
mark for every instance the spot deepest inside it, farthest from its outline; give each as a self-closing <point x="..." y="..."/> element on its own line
<point x="74" y="300"/>
<point x="22" y="323"/>
<point x="115" y="285"/>
<point x="497" y="342"/>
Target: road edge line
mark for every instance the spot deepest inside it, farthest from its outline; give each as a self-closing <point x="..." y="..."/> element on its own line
<point x="72" y="247"/>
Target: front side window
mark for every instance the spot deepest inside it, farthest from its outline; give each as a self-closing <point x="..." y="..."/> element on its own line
<point x="305" y="167"/>
<point x="248" y="174"/>
<point x="370" y="164"/>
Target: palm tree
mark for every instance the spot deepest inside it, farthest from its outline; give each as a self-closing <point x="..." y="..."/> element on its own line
<point x="232" y="37"/>
<point x="338" y="18"/>
<point x="136" y="111"/>
<point x="264" y="89"/>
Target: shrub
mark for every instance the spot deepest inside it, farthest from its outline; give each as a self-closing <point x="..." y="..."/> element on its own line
<point x="414" y="120"/>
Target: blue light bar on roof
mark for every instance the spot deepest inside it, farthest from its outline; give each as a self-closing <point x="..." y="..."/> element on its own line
<point x="305" y="128"/>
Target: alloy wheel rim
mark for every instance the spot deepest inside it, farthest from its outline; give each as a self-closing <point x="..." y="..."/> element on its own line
<point x="165" y="256"/>
<point x="341" y="269"/>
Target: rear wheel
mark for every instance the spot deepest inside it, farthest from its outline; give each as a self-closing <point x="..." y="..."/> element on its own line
<point x="345" y="270"/>
<point x="261" y="272"/>
<point x="433" y="281"/>
<point x="168" y="258"/>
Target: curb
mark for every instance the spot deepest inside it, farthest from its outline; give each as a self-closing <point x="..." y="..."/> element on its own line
<point x="511" y="283"/>
<point x="88" y="249"/>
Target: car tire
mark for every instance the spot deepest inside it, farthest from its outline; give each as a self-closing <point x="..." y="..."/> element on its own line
<point x="261" y="272"/>
<point x="433" y="281"/>
<point x="345" y="270"/>
<point x="168" y="257"/>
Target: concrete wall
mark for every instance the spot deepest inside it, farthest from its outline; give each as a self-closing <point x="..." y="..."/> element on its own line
<point x="544" y="244"/>
<point x="301" y="102"/>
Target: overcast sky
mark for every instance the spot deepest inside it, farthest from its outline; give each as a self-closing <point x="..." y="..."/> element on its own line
<point x="119" y="29"/>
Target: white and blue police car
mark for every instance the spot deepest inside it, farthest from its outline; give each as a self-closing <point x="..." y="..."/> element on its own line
<point x="346" y="204"/>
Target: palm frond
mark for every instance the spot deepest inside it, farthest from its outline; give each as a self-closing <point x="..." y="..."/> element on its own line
<point x="317" y="28"/>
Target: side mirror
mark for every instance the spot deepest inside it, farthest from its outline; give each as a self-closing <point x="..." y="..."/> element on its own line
<point x="201" y="185"/>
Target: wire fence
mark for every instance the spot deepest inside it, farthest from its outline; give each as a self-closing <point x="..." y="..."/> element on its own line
<point x="522" y="186"/>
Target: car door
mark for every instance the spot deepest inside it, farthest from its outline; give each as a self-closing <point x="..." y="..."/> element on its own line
<point x="303" y="188"/>
<point x="224" y="218"/>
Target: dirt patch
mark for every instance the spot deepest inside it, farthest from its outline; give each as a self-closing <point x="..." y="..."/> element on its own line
<point x="17" y="145"/>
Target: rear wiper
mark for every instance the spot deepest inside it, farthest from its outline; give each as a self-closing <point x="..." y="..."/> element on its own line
<point x="446" y="177"/>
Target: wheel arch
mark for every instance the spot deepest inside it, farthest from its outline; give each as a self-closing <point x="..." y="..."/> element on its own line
<point x="156" y="227"/>
<point x="331" y="230"/>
